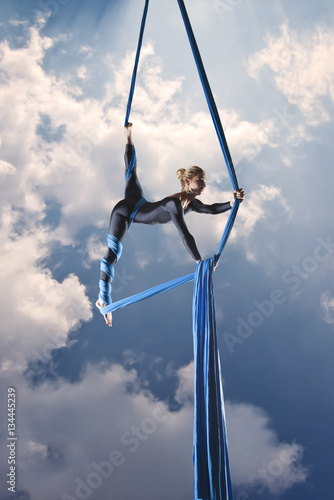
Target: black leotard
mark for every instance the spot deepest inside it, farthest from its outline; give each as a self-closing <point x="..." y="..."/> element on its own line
<point x="158" y="212"/>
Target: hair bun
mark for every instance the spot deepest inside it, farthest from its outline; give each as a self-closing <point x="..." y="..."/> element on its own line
<point x="180" y="173"/>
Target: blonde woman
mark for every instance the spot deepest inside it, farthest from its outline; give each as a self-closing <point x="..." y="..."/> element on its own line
<point x="134" y="208"/>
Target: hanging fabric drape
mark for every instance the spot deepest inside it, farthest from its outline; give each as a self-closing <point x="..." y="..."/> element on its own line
<point x="212" y="479"/>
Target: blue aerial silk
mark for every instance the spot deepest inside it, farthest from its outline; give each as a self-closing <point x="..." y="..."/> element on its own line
<point x="156" y="290"/>
<point x="212" y="472"/>
<point x="134" y="73"/>
<point x="105" y="266"/>
<point x="211" y="463"/>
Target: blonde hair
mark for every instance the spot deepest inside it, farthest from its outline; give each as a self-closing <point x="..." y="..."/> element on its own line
<point x="188" y="173"/>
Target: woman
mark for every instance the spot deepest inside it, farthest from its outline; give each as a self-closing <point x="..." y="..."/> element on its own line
<point x="135" y="208"/>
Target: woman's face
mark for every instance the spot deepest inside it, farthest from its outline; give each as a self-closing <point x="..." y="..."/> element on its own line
<point x="197" y="184"/>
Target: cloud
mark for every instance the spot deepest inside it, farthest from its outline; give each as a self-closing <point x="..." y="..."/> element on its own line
<point x="82" y="72"/>
<point x="6" y="169"/>
<point x="102" y="423"/>
<point x="51" y="134"/>
<point x="258" y="459"/>
<point x="303" y="68"/>
<point x="185" y="391"/>
<point x="327" y="304"/>
<point x="36" y="309"/>
<point x="94" y="250"/>
<point x="257" y="208"/>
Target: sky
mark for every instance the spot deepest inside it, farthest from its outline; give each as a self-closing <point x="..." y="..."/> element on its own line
<point x="108" y="413"/>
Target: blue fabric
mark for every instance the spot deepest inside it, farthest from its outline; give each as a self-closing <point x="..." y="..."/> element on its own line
<point x="105" y="291"/>
<point x="209" y="96"/>
<point x="137" y="206"/>
<point x="164" y="287"/>
<point x="107" y="268"/>
<point x="134" y="74"/>
<point x="115" y="245"/>
<point x="105" y="287"/>
<point x="228" y="228"/>
<point x="211" y="463"/>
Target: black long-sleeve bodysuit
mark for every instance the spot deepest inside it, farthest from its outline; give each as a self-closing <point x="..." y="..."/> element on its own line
<point x="159" y="212"/>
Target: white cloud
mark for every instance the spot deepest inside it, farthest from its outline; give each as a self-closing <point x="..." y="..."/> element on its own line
<point x="254" y="209"/>
<point x="246" y="139"/>
<point x="153" y="101"/>
<point x="303" y="67"/>
<point x="258" y="459"/>
<point x="185" y="391"/>
<point x="79" y="425"/>
<point x="327" y="304"/>
<point x="82" y="72"/>
<point x="86" y="50"/>
<point x="95" y="250"/>
<point x="64" y="169"/>
<point x="35" y="308"/>
<point x="6" y="169"/>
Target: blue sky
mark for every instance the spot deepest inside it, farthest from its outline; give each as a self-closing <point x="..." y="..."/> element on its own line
<point x="107" y="413"/>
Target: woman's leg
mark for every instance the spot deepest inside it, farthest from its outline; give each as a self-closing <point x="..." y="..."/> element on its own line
<point x="118" y="225"/>
<point x="116" y="234"/>
<point x="133" y="188"/>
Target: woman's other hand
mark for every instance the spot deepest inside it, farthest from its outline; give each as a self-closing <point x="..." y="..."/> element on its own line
<point x="240" y="194"/>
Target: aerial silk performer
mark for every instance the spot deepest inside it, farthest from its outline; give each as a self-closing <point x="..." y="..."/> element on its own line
<point x="134" y="208"/>
<point x="212" y="480"/>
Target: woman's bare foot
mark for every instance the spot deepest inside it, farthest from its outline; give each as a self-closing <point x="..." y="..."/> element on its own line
<point x="128" y="131"/>
<point x="108" y="317"/>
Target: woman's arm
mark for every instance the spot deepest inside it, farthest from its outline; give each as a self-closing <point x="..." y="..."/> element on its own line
<point x="214" y="209"/>
<point x="175" y="209"/>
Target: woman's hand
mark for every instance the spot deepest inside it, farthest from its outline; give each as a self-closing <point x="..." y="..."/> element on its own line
<point x="240" y="194"/>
